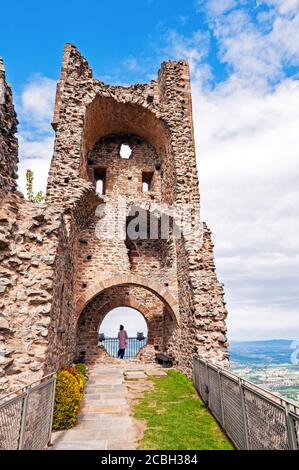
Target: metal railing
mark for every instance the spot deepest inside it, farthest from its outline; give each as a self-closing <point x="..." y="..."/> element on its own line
<point x="134" y="345"/>
<point x="26" y="416"/>
<point x="252" y="417"/>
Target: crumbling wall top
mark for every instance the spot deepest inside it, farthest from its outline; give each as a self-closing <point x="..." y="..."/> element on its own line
<point x="74" y="67"/>
<point x="8" y="141"/>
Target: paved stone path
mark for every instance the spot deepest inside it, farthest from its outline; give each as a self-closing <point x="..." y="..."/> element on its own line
<point x="104" y="421"/>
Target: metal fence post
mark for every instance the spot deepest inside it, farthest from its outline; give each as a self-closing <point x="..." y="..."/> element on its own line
<point x="52" y="410"/>
<point x="23" y="419"/>
<point x="221" y="398"/>
<point x="195" y="373"/>
<point x="207" y="385"/>
<point x="290" y="429"/>
<point x="245" y="424"/>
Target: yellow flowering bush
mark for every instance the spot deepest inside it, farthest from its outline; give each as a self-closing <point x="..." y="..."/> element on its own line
<point x="68" y="395"/>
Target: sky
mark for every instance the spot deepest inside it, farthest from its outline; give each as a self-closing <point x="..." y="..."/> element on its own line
<point x="130" y="318"/>
<point x="244" y="60"/>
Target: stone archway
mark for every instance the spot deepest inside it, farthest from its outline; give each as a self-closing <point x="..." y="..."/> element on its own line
<point x="101" y="284"/>
<point x="161" y="322"/>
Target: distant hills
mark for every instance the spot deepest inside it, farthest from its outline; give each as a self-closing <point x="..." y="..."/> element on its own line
<point x="267" y="352"/>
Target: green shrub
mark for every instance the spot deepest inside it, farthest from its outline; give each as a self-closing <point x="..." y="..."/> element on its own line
<point x="78" y="377"/>
<point x="69" y="392"/>
<point x="81" y="369"/>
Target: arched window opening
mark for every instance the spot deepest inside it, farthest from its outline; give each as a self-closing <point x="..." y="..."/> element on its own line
<point x="100" y="186"/>
<point x="100" y="178"/>
<point x="147" y="178"/>
<point x="125" y="151"/>
<point x="145" y="187"/>
<point x="135" y="326"/>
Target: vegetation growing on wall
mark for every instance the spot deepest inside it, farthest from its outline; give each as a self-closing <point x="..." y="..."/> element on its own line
<point x="39" y="197"/>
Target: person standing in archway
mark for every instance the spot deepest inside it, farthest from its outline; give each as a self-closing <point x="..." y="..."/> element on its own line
<point x="122" y="342"/>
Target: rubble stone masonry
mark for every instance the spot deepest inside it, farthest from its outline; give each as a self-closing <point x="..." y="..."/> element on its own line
<point x="61" y="269"/>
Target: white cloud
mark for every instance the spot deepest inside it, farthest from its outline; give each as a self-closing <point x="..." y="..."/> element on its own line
<point x="260" y="138"/>
<point x="40" y="168"/>
<point x="37" y="101"/>
<point x="283" y="6"/>
<point x="36" y="138"/>
<point x="248" y="169"/>
<point x="256" y="49"/>
<point x="247" y="149"/>
<point x="216" y="7"/>
<point x="262" y="322"/>
<point x="133" y="64"/>
<point x="194" y="49"/>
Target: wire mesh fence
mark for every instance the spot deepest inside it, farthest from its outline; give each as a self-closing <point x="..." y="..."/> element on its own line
<point x="132" y="349"/>
<point x="252" y="417"/>
<point x="26" y="416"/>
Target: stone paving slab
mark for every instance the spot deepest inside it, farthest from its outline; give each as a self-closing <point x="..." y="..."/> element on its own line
<point x="78" y="435"/>
<point x="105" y="388"/>
<point x="82" y="445"/>
<point x="104" y="409"/>
<point x="98" y="400"/>
<point x="117" y="444"/>
<point x="98" y="382"/>
<point x="156" y="373"/>
<point x="89" y="423"/>
<point x="135" y="374"/>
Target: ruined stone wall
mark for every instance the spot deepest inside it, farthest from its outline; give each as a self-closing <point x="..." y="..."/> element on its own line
<point x="202" y="316"/>
<point x="35" y="256"/>
<point x="91" y="120"/>
<point x="124" y="175"/>
<point x="53" y="264"/>
<point x="30" y="268"/>
<point x="107" y="257"/>
<point x="8" y="140"/>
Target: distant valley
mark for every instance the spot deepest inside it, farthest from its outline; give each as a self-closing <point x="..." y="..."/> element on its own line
<point x="270" y="363"/>
<point x="269" y="352"/>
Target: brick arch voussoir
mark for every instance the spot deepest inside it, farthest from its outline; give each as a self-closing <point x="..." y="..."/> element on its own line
<point x="123" y="302"/>
<point x="101" y="285"/>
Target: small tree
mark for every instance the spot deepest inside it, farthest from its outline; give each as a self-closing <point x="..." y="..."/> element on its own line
<point x="39" y="197"/>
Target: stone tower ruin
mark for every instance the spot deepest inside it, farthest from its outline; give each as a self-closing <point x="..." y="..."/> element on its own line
<point x="110" y="233"/>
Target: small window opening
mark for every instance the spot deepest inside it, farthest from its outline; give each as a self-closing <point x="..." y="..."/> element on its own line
<point x="125" y="151"/>
<point x="146" y="181"/>
<point x="100" y="186"/>
<point x="145" y="187"/>
<point x="100" y="177"/>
